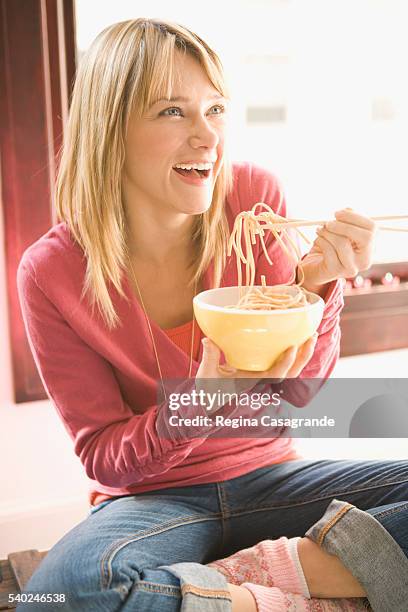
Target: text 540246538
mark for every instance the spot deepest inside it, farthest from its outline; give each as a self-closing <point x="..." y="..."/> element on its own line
<point x="16" y="598"/>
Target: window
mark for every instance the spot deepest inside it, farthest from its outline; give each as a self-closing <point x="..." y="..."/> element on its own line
<point x="319" y="95"/>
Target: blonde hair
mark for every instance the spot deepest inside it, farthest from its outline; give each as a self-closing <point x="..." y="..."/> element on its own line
<point x="128" y="66"/>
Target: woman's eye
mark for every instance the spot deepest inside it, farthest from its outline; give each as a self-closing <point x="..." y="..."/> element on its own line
<point x="172" y="112"/>
<point x="175" y="111"/>
<point x="220" y="109"/>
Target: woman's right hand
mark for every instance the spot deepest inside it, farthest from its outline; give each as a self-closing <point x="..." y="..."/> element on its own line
<point x="289" y="365"/>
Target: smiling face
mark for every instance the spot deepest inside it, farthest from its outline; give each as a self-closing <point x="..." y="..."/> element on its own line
<point x="171" y="138"/>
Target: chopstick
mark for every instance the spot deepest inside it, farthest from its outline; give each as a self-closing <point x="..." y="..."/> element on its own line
<point x="392" y="229"/>
<point x="299" y="223"/>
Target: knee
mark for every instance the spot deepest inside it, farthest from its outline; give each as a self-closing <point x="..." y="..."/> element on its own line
<point x="75" y="577"/>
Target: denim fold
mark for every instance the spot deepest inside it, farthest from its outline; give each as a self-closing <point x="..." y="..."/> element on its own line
<point x="202" y="588"/>
<point x="370" y="553"/>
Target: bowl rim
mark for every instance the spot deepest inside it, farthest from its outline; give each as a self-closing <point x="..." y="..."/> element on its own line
<point x="196" y="300"/>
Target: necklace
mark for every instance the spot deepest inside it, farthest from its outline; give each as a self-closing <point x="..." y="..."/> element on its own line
<point x="152" y="336"/>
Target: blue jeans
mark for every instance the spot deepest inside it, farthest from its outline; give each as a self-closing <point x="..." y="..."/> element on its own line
<point x="148" y="551"/>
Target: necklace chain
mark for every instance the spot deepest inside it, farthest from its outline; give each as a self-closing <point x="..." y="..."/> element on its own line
<point x="152" y="336"/>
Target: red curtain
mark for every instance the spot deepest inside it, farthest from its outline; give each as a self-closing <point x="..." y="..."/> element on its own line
<point x="37" y="68"/>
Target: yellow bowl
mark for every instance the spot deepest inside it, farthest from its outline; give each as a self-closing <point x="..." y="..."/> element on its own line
<point x="254" y="339"/>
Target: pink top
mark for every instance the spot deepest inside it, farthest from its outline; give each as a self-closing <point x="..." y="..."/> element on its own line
<point x="104" y="383"/>
<point x="181" y="336"/>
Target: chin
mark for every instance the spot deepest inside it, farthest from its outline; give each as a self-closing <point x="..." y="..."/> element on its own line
<point x="194" y="211"/>
<point x="195" y="208"/>
<point x="198" y="209"/>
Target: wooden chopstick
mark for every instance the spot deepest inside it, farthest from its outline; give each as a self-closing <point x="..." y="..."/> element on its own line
<point x="392" y="229"/>
<point x="298" y="223"/>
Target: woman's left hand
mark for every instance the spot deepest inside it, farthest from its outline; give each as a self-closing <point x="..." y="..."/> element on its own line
<point x="343" y="248"/>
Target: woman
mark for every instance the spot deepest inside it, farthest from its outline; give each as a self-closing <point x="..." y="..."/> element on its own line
<point x="146" y="198"/>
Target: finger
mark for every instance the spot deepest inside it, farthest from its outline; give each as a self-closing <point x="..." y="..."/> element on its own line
<point x="227" y="370"/>
<point x="280" y="368"/>
<point x="362" y="243"/>
<point x="211" y="356"/>
<point x="245" y="374"/>
<point x="331" y="260"/>
<point x="348" y="215"/>
<point x="304" y="355"/>
<point x="344" y="250"/>
<point x="356" y="234"/>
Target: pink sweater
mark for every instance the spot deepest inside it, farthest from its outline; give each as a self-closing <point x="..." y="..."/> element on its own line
<point x="103" y="384"/>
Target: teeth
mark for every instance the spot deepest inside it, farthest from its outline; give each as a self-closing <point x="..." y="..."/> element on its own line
<point x="206" y="166"/>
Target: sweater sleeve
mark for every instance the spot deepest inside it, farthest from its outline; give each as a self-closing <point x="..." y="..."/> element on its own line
<point x="266" y="188"/>
<point x="116" y="446"/>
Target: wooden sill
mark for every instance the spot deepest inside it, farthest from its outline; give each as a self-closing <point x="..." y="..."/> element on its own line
<point x="376" y="319"/>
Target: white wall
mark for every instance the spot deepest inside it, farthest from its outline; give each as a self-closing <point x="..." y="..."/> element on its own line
<point x="42" y="485"/>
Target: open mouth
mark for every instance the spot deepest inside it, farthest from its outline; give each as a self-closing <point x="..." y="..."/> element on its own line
<point x="202" y="174"/>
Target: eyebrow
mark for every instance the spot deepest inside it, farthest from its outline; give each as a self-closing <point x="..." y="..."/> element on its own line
<point x="183" y="99"/>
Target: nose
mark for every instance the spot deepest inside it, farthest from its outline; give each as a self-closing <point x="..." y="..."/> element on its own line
<point x="203" y="134"/>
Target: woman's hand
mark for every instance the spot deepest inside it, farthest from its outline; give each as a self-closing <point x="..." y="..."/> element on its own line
<point x="289" y="365"/>
<point x="343" y="248"/>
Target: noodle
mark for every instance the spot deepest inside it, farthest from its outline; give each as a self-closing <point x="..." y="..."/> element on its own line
<point x="268" y="298"/>
<point x="248" y="225"/>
